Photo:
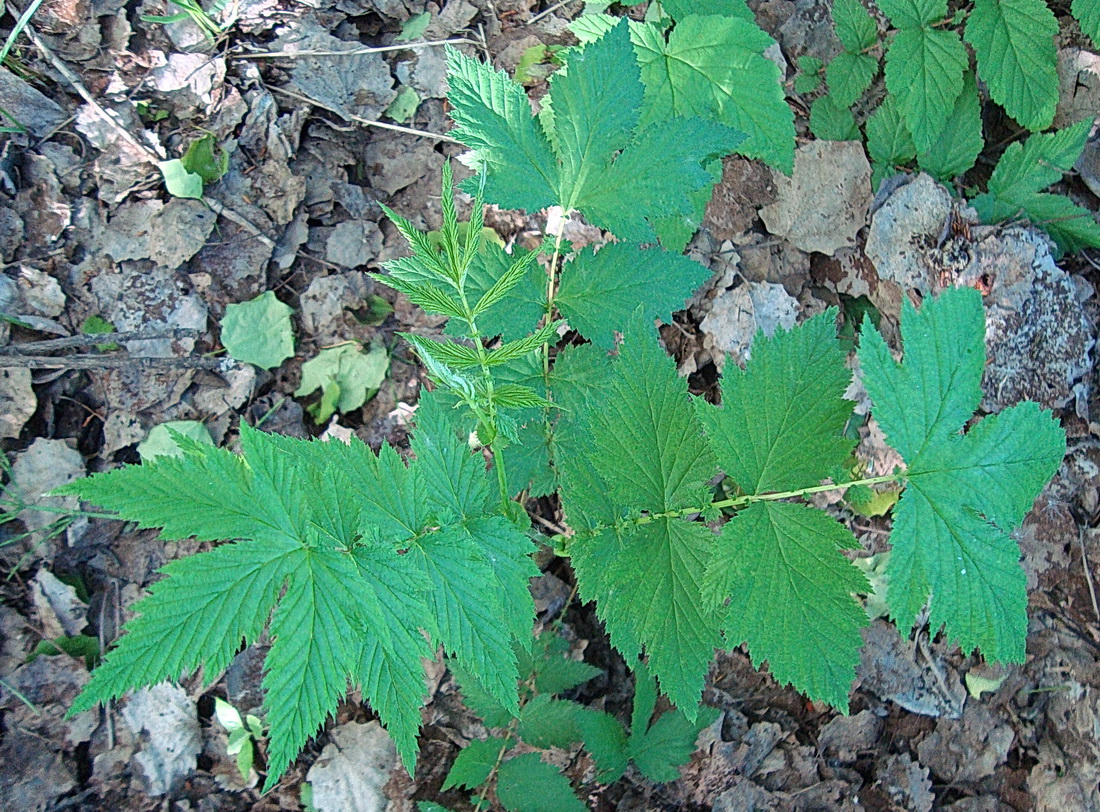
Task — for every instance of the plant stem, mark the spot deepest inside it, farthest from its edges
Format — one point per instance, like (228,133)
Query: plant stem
(551,277)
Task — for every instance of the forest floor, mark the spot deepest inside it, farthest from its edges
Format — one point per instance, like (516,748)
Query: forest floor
(87,230)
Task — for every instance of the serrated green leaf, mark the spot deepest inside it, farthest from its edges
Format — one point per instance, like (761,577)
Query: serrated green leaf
(790,592)
(913,13)
(545,722)
(1087,13)
(451,353)
(333,591)
(605,740)
(590,27)
(596,101)
(809,74)
(924,72)
(493,118)
(258,331)
(514,350)
(519,270)
(849,75)
(855,28)
(782,418)
(1072,227)
(1013,41)
(644,451)
(957,148)
(888,140)
(1027,168)
(453,476)
(520,309)
(714,68)
(528,784)
(424,295)
(601,290)
(668,744)
(474,764)
(830,122)
(966,492)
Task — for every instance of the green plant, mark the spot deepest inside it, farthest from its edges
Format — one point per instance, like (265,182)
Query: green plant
(658,747)
(244,734)
(931,113)
(206,21)
(364,562)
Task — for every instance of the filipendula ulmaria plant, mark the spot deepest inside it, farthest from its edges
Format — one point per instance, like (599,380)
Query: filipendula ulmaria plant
(358,564)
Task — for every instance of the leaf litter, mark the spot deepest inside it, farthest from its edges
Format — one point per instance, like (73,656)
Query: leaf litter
(89,231)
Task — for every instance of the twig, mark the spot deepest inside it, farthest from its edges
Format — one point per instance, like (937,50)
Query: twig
(360,120)
(548,11)
(1088,571)
(53,344)
(106,362)
(408,46)
(228,213)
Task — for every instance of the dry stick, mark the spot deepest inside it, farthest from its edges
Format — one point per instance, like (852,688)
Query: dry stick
(408,46)
(52,344)
(106,362)
(1088,571)
(548,11)
(360,120)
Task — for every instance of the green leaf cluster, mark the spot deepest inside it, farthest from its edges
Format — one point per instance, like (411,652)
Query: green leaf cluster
(524,782)
(932,111)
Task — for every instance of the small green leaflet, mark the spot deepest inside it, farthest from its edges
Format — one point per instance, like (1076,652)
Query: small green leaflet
(474,764)
(680,9)
(644,452)
(966,492)
(599,162)
(161,442)
(809,74)
(924,66)
(957,148)
(178,181)
(855,28)
(206,158)
(888,141)
(1026,169)
(831,122)
(1087,13)
(849,75)
(1014,43)
(258,331)
(528,784)
(601,290)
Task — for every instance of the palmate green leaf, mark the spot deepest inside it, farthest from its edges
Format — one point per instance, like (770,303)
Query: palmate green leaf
(644,451)
(357,555)
(849,75)
(967,492)
(300,541)
(781,420)
(614,199)
(599,162)
(601,290)
(1072,227)
(714,68)
(1014,43)
(855,28)
(1087,13)
(888,140)
(957,148)
(924,66)
(790,595)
